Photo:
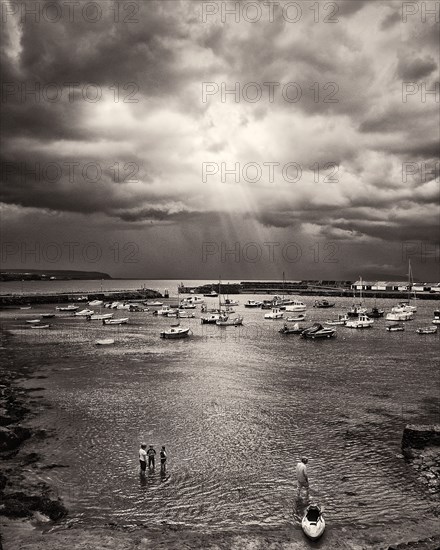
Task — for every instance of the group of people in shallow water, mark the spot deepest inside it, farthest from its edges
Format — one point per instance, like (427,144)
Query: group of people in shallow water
(150,457)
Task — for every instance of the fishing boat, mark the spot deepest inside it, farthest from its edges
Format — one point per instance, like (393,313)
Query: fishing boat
(294,318)
(252,303)
(67,308)
(375,313)
(47,315)
(226,321)
(362,321)
(296,305)
(104,342)
(99,316)
(187,305)
(341,320)
(154,304)
(426,330)
(436,320)
(84,313)
(40,326)
(313,523)
(294,329)
(96,303)
(166,311)
(228,302)
(323,304)
(175,333)
(32,321)
(318,331)
(185,315)
(274,315)
(120,321)
(212,294)
(194,300)
(357,309)
(407,306)
(398,315)
(395,328)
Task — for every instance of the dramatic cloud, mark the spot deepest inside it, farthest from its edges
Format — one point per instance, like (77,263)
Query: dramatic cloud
(132,122)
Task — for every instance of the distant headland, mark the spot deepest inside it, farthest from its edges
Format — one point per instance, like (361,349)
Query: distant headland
(50,275)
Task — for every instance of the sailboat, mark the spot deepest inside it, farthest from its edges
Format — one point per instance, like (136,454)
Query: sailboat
(357,309)
(176,332)
(406,306)
(224,319)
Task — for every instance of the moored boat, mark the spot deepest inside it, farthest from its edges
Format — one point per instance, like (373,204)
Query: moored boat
(40,326)
(341,320)
(399,315)
(84,313)
(375,313)
(33,321)
(313,523)
(47,315)
(294,318)
(436,320)
(323,304)
(252,303)
(175,333)
(395,328)
(294,329)
(104,342)
(120,321)
(96,303)
(426,330)
(274,315)
(99,316)
(362,321)
(296,305)
(226,321)
(318,331)
(67,308)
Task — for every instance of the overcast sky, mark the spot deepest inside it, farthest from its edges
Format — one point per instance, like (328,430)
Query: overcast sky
(129,133)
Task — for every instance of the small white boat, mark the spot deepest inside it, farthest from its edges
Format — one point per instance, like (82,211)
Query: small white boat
(426,330)
(67,308)
(341,320)
(175,333)
(296,305)
(252,303)
(363,321)
(26,307)
(194,300)
(185,315)
(96,303)
(40,326)
(105,342)
(226,321)
(99,316)
(323,304)
(33,321)
(295,329)
(121,321)
(210,319)
(436,320)
(123,306)
(84,313)
(405,306)
(154,304)
(47,315)
(275,314)
(356,310)
(313,523)
(187,305)
(300,317)
(166,311)
(212,294)
(395,328)
(399,315)
(229,302)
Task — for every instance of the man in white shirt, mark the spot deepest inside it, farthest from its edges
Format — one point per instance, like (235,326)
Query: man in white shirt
(301,476)
(143,458)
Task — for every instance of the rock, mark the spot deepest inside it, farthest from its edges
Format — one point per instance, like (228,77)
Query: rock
(30,458)
(22,505)
(420,436)
(11,438)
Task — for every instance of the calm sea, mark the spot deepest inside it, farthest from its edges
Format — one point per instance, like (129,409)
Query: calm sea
(236,408)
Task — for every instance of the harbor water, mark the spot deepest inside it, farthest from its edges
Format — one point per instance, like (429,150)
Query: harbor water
(236,408)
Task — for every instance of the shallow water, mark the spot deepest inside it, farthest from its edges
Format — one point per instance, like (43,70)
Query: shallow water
(236,408)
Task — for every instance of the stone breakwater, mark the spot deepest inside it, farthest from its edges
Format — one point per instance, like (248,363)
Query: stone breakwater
(421,446)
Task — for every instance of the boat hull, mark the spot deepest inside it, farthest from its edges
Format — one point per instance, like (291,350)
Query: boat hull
(174,334)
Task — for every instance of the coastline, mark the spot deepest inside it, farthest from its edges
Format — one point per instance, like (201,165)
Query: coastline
(34,515)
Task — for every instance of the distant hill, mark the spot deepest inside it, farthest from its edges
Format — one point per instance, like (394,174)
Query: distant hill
(48,274)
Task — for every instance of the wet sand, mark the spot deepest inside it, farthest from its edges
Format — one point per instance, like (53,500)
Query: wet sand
(37,531)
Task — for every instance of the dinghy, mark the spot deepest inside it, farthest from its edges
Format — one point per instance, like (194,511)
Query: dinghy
(40,326)
(120,321)
(295,329)
(299,317)
(313,523)
(105,342)
(47,315)
(426,330)
(32,321)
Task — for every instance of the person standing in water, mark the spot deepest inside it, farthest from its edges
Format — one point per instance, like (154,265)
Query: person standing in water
(151,454)
(302,477)
(163,461)
(143,458)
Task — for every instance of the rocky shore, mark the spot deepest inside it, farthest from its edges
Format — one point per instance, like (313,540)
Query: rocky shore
(21,495)
(421,447)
